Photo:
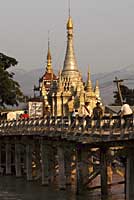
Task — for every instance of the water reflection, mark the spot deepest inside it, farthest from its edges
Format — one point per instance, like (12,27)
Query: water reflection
(18,189)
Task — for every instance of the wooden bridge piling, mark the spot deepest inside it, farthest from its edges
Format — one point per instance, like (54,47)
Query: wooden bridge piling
(68,162)
(18,170)
(44,163)
(52,160)
(1,169)
(29,161)
(103,169)
(8,157)
(85,166)
(130,174)
(61,164)
(79,178)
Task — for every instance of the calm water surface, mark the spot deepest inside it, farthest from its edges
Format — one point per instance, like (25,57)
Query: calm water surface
(18,189)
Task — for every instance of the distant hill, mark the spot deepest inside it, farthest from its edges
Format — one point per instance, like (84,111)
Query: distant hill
(27,80)
(107,86)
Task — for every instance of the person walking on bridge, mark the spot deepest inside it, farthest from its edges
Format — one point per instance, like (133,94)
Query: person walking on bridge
(97,114)
(127,113)
(97,111)
(86,112)
(25,115)
(86,109)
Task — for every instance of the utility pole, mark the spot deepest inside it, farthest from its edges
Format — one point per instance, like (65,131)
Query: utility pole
(118,84)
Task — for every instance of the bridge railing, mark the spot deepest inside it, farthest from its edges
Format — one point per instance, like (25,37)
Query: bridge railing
(107,124)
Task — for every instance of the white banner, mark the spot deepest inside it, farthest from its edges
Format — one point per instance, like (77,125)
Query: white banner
(35,109)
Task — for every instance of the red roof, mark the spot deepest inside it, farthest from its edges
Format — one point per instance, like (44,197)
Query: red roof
(49,76)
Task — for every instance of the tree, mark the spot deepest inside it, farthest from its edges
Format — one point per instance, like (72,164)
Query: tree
(127,95)
(10,93)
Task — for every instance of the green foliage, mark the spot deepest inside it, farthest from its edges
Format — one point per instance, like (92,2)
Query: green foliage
(6,62)
(127,95)
(10,93)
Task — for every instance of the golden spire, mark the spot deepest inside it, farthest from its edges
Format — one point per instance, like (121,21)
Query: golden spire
(49,59)
(70,64)
(59,82)
(97,89)
(69,22)
(89,83)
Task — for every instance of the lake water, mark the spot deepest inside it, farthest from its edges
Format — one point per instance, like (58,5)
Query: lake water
(12,188)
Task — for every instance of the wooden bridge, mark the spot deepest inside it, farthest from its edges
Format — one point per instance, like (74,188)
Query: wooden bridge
(69,151)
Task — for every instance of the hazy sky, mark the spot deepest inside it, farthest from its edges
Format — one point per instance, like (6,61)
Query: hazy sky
(103,32)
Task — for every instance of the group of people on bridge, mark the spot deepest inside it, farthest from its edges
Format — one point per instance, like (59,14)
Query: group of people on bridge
(97,113)
(86,111)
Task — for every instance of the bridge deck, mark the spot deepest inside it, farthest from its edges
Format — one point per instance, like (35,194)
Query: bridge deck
(108,130)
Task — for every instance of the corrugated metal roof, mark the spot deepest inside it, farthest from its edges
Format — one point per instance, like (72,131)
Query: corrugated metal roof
(115,109)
